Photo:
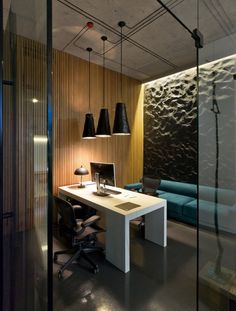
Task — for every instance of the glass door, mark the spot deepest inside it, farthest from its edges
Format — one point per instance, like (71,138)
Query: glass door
(25,148)
(217,161)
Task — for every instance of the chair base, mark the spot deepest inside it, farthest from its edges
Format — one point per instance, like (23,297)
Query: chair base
(77,254)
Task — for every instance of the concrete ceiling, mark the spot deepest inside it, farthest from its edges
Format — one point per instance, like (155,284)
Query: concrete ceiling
(157,45)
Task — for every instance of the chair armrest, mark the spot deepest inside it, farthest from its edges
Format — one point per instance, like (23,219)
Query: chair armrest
(90,221)
(77,207)
(134,186)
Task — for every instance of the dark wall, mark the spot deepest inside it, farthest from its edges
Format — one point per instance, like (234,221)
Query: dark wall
(170,127)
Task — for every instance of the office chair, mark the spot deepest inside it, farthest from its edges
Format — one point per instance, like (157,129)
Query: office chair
(149,187)
(79,233)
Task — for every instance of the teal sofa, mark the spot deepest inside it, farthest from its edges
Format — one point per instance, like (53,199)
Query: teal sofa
(182,203)
(178,195)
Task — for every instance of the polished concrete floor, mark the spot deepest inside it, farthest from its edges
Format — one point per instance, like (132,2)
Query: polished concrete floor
(160,279)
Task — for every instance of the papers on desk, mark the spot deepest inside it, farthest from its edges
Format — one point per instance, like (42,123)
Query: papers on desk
(127,206)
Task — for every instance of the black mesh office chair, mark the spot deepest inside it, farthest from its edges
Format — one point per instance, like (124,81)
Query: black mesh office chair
(79,234)
(149,187)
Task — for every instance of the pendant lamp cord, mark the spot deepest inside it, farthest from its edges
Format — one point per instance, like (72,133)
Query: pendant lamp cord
(89,80)
(103,73)
(121,57)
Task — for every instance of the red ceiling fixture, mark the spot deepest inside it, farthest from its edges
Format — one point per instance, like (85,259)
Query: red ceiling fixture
(89,25)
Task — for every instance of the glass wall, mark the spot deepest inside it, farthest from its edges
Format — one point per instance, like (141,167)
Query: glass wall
(217,166)
(25,164)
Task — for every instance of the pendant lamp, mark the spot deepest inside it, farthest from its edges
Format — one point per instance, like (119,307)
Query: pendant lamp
(89,129)
(121,124)
(103,129)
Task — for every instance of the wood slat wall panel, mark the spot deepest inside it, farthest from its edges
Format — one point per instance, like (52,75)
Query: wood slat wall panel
(31,118)
(70,100)
(23,120)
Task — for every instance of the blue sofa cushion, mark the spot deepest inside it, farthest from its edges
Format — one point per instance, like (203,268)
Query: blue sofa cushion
(134,186)
(206,210)
(225,196)
(185,189)
(190,209)
(158,192)
(138,187)
(175,201)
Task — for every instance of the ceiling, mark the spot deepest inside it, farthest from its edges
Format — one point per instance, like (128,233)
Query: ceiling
(157,44)
(154,43)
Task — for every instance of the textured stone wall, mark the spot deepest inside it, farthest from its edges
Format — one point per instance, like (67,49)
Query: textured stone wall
(171,123)
(170,127)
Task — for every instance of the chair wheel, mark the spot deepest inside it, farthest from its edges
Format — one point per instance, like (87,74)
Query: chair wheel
(59,274)
(95,270)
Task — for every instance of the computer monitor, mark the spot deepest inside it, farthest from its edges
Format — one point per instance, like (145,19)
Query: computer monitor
(106,172)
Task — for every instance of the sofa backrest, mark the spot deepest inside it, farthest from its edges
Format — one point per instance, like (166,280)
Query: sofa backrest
(179,188)
(225,196)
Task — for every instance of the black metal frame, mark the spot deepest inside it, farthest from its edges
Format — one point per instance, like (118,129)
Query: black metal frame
(195,34)
(49,155)
(197,121)
(1,153)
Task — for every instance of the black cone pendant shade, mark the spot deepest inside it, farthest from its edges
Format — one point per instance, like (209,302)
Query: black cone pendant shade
(121,124)
(103,129)
(89,129)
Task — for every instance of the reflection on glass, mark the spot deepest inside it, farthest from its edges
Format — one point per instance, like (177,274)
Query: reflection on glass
(25,156)
(217,184)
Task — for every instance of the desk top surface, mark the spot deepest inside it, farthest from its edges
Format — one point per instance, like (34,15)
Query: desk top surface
(109,203)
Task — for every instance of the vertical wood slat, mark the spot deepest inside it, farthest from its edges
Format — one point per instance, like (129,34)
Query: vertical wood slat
(70,103)
(19,157)
(70,100)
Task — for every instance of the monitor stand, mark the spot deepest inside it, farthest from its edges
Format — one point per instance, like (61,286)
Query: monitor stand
(99,192)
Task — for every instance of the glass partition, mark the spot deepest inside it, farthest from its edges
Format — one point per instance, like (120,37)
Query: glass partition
(217,165)
(160,48)
(25,164)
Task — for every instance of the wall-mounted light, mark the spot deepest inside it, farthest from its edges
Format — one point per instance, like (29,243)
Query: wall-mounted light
(44,248)
(35,100)
(40,139)
(121,124)
(89,129)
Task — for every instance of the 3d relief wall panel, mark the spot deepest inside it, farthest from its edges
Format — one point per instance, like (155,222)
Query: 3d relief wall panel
(170,127)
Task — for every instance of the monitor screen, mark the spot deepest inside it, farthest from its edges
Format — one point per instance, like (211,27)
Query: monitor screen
(106,172)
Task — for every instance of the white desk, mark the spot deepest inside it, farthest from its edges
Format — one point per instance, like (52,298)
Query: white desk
(117,220)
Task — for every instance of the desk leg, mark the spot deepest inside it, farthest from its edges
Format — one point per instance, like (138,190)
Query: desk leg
(117,241)
(156,226)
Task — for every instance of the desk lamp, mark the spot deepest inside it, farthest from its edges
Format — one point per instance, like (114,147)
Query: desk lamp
(81,171)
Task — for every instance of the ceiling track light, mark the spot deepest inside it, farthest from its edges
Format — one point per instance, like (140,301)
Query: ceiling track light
(89,129)
(103,128)
(121,124)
